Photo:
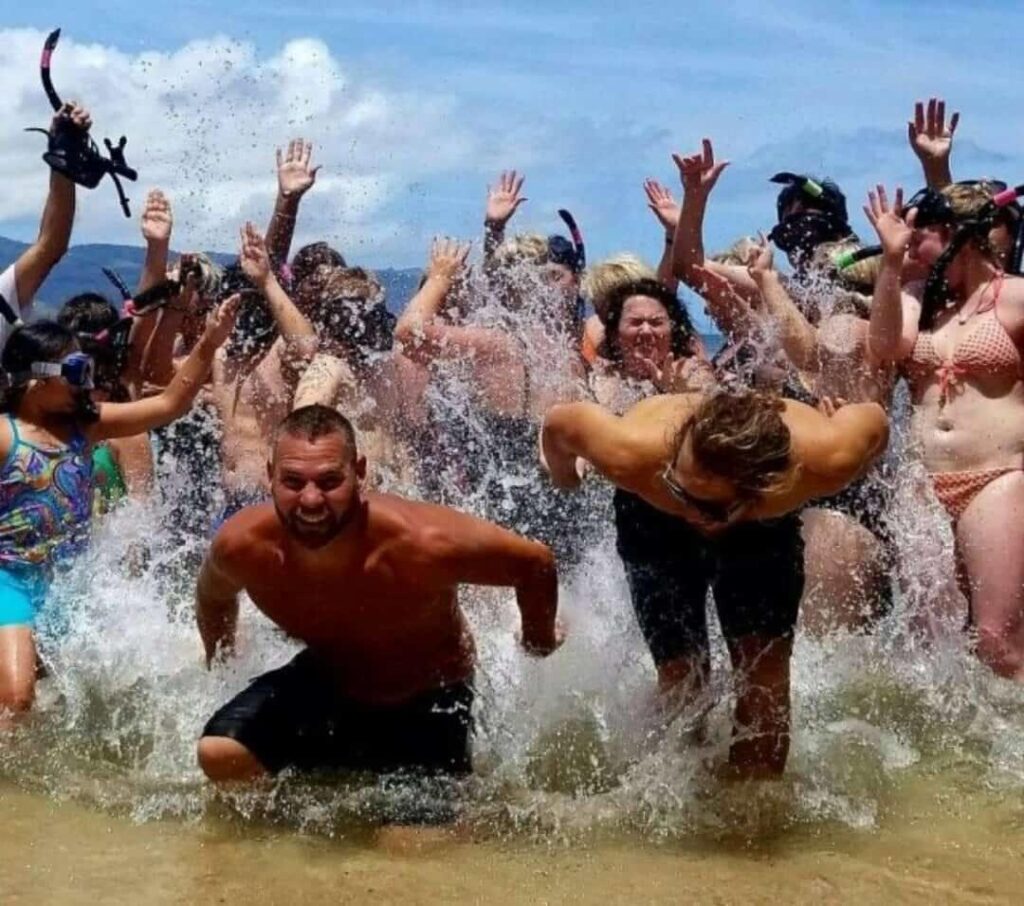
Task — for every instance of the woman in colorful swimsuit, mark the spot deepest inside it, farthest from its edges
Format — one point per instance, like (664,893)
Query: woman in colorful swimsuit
(958,338)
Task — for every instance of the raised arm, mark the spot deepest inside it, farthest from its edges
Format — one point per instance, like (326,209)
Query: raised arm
(295,329)
(798,338)
(35,263)
(699,173)
(295,177)
(892,327)
(727,307)
(931,140)
(503,200)
(217,602)
(158,361)
(324,382)
(666,210)
(474,552)
(422,336)
(157,223)
(125,419)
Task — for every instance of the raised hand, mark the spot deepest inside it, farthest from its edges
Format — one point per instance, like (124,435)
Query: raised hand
(157,218)
(893,230)
(700,172)
(253,256)
(930,138)
(447,259)
(761,261)
(662,204)
(504,199)
(294,174)
(221,321)
(78,115)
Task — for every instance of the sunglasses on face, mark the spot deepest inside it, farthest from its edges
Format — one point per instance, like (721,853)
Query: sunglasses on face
(711,510)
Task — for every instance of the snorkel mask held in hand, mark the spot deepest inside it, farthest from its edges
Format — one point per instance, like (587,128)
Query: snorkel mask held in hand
(934,209)
(823,220)
(71,152)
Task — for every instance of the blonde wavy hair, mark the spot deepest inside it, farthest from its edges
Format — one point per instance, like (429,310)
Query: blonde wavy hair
(602,279)
(523,248)
(741,436)
(967,200)
(740,252)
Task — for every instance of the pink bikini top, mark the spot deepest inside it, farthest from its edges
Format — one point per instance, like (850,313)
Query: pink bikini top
(987,349)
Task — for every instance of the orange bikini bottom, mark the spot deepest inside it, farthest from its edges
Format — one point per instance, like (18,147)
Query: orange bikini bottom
(956,490)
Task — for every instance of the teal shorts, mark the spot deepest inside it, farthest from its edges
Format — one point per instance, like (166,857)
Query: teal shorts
(22,594)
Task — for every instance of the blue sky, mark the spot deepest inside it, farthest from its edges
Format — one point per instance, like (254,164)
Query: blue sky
(587,97)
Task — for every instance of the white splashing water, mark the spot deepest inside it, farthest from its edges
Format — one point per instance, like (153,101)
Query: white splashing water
(564,747)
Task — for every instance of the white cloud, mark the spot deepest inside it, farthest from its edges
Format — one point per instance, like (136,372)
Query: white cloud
(202,124)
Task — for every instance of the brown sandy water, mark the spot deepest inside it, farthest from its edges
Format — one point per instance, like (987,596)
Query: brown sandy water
(934,845)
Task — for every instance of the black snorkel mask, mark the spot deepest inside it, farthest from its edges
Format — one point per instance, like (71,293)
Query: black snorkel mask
(361,326)
(933,209)
(824,220)
(71,152)
(572,255)
(111,346)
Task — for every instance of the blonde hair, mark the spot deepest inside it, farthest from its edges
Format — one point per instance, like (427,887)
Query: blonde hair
(966,201)
(523,248)
(602,279)
(739,252)
(741,436)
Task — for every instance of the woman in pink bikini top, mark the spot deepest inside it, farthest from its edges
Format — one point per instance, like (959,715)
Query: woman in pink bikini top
(958,339)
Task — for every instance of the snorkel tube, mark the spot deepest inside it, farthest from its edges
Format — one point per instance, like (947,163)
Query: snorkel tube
(848,259)
(577,240)
(71,152)
(936,288)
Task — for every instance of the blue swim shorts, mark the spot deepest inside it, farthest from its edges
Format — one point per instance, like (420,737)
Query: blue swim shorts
(22,593)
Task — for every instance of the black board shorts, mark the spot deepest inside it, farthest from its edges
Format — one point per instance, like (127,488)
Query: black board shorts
(754,569)
(291,717)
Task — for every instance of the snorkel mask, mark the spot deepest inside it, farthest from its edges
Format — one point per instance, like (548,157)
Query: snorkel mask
(71,152)
(936,210)
(78,369)
(824,220)
(572,255)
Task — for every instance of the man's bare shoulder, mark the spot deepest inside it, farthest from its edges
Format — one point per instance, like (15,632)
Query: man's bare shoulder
(417,528)
(669,407)
(247,537)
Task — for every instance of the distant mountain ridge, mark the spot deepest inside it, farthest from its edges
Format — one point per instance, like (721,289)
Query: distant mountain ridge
(80,271)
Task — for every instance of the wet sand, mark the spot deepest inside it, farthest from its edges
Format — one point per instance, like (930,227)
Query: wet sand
(933,847)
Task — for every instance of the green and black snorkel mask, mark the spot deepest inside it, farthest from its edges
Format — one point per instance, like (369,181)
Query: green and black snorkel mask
(824,218)
(933,209)
(71,152)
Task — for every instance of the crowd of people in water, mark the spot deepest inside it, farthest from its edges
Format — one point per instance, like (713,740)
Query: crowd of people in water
(329,477)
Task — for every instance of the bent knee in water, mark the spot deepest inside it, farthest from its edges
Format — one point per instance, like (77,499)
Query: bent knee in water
(223,759)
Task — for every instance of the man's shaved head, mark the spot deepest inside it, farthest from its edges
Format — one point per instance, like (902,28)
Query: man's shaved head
(312,422)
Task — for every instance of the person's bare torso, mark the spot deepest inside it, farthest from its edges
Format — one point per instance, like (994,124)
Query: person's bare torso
(251,405)
(378,611)
(845,372)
